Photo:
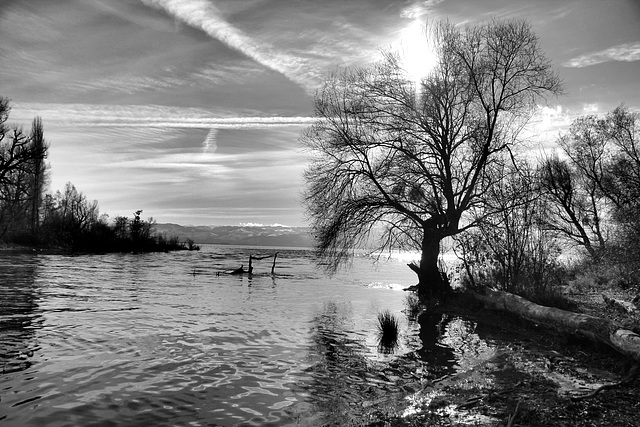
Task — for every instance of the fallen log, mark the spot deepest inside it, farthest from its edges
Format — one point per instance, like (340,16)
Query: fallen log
(602,330)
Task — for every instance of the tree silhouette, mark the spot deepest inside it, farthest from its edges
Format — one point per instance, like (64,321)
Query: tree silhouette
(39,172)
(22,174)
(594,190)
(414,161)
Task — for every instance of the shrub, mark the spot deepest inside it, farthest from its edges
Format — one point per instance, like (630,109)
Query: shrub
(192,246)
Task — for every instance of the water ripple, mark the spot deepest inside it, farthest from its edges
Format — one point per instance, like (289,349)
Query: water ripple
(125,339)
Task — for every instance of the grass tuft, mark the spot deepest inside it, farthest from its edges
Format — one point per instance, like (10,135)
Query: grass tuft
(388,329)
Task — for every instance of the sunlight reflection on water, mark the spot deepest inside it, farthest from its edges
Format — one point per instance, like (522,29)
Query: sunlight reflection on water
(162,339)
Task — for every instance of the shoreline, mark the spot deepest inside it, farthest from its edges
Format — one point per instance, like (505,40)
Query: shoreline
(13,247)
(506,368)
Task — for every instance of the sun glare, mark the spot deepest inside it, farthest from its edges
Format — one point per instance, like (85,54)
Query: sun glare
(417,53)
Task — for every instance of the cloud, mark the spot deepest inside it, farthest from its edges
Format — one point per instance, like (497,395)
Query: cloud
(146,116)
(627,52)
(258,224)
(591,108)
(419,9)
(552,120)
(205,16)
(549,122)
(41,27)
(210,144)
(224,74)
(127,84)
(164,171)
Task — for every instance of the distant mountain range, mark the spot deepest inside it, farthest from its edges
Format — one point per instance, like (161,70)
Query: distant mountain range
(240,235)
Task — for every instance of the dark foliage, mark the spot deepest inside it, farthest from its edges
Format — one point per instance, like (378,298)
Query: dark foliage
(67,220)
(23,173)
(388,332)
(413,306)
(96,235)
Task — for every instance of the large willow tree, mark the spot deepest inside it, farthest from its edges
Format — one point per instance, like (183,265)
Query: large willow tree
(413,162)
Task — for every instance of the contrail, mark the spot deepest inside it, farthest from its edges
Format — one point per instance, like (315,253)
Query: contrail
(210,144)
(205,16)
(145,116)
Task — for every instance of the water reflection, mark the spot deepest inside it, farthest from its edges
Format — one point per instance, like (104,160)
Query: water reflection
(468,346)
(452,349)
(266,281)
(332,347)
(19,311)
(139,339)
(347,386)
(388,333)
(440,357)
(452,344)
(338,366)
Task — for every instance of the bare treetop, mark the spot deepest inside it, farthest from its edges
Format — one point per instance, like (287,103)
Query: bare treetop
(416,159)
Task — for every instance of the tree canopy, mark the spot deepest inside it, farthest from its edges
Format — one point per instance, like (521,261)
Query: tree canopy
(414,159)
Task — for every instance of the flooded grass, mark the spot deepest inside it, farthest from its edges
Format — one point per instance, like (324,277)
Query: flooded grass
(388,332)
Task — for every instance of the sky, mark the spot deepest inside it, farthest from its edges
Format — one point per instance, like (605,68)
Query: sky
(192,110)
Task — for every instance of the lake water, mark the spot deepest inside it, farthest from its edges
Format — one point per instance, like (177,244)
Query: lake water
(165,339)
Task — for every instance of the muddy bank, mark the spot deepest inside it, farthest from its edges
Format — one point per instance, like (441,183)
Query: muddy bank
(483,368)
(535,373)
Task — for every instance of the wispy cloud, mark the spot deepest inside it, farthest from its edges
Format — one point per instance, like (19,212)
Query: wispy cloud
(217,73)
(203,15)
(627,52)
(210,144)
(126,84)
(42,28)
(419,9)
(549,122)
(146,116)
(163,170)
(219,123)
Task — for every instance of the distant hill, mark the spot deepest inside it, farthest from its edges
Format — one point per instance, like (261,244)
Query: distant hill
(240,235)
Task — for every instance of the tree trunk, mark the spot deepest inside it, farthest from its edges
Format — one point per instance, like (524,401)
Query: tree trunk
(431,283)
(602,330)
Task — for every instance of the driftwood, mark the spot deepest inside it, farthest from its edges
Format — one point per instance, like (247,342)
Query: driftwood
(602,330)
(241,270)
(273,266)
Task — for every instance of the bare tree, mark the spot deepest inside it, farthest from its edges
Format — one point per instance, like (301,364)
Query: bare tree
(621,185)
(417,160)
(596,187)
(17,150)
(68,215)
(512,249)
(576,206)
(20,154)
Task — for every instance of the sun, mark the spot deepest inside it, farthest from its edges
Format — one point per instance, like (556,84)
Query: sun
(416,51)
